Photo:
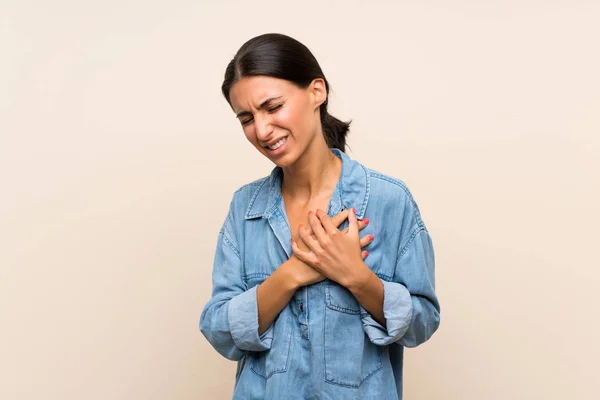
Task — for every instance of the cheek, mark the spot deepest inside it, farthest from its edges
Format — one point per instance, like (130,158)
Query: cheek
(292,118)
(249,133)
(284,117)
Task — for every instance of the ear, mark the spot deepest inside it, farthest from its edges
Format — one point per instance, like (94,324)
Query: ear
(318,91)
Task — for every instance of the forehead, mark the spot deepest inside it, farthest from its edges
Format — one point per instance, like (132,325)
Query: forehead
(249,92)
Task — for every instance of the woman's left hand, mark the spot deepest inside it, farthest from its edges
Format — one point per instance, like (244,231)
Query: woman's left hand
(333,253)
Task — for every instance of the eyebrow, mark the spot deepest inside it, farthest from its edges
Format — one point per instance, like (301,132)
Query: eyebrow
(263,104)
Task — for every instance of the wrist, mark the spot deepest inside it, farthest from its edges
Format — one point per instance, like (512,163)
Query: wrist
(358,282)
(290,277)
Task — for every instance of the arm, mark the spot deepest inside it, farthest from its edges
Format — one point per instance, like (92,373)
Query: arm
(407,308)
(369,291)
(229,320)
(410,305)
(277,291)
(236,320)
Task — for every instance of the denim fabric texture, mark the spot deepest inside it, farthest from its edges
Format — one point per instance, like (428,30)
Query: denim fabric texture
(324,344)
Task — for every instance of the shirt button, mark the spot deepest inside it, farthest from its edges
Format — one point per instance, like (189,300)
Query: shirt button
(301,306)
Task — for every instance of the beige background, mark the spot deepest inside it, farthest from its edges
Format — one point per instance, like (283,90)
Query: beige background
(118,158)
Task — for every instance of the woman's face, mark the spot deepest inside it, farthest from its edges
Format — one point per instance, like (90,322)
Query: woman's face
(280,119)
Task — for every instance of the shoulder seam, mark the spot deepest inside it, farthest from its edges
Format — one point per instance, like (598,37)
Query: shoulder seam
(226,239)
(393,181)
(401,184)
(230,244)
(418,229)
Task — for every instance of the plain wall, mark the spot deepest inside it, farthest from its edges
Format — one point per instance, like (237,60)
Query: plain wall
(119,156)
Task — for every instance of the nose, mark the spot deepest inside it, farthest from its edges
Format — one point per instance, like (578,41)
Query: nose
(263,127)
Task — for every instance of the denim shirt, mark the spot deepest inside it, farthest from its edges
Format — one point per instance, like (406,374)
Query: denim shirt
(323,344)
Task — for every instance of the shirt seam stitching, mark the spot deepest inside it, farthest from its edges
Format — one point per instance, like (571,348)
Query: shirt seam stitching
(414,233)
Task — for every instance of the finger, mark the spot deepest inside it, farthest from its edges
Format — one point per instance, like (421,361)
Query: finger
(304,256)
(352,222)
(364,254)
(327,223)
(362,223)
(339,218)
(317,227)
(343,215)
(301,244)
(368,239)
(308,239)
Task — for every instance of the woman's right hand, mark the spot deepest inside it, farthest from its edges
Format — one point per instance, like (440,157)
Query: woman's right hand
(303,274)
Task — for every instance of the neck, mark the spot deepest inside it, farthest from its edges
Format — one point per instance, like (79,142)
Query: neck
(315,173)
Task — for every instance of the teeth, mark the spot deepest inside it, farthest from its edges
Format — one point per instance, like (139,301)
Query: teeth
(278,144)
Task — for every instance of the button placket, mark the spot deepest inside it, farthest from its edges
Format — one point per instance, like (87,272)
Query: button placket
(301,303)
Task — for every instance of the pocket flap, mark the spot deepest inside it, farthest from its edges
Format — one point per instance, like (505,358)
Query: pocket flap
(340,299)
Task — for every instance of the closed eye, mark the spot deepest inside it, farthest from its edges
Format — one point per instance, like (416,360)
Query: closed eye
(270,110)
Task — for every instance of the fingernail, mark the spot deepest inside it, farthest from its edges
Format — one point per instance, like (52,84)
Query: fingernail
(366,221)
(353,210)
(310,212)
(366,253)
(372,237)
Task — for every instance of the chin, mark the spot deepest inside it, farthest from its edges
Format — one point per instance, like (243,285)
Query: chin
(288,158)
(284,161)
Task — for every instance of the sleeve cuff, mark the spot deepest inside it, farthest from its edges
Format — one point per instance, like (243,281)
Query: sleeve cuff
(397,310)
(243,323)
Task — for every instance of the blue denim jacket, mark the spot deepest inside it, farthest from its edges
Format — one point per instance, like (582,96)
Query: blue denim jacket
(323,344)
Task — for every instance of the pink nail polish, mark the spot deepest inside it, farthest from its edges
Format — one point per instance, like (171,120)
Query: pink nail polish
(366,221)
(372,237)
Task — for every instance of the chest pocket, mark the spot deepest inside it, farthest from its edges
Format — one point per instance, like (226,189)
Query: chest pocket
(262,250)
(350,357)
(275,360)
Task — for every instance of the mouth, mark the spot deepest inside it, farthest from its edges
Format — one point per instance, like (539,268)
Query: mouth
(277,144)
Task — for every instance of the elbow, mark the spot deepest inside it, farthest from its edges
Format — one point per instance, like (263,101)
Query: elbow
(230,352)
(422,330)
(220,339)
(222,343)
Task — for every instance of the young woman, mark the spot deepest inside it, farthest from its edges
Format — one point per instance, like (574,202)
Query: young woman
(306,312)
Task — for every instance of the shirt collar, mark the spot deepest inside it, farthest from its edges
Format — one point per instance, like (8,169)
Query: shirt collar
(352,190)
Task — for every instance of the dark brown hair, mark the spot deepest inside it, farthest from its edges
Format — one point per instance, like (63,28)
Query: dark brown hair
(283,57)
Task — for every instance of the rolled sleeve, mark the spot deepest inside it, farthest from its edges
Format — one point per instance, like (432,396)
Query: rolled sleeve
(229,320)
(397,310)
(410,307)
(243,323)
